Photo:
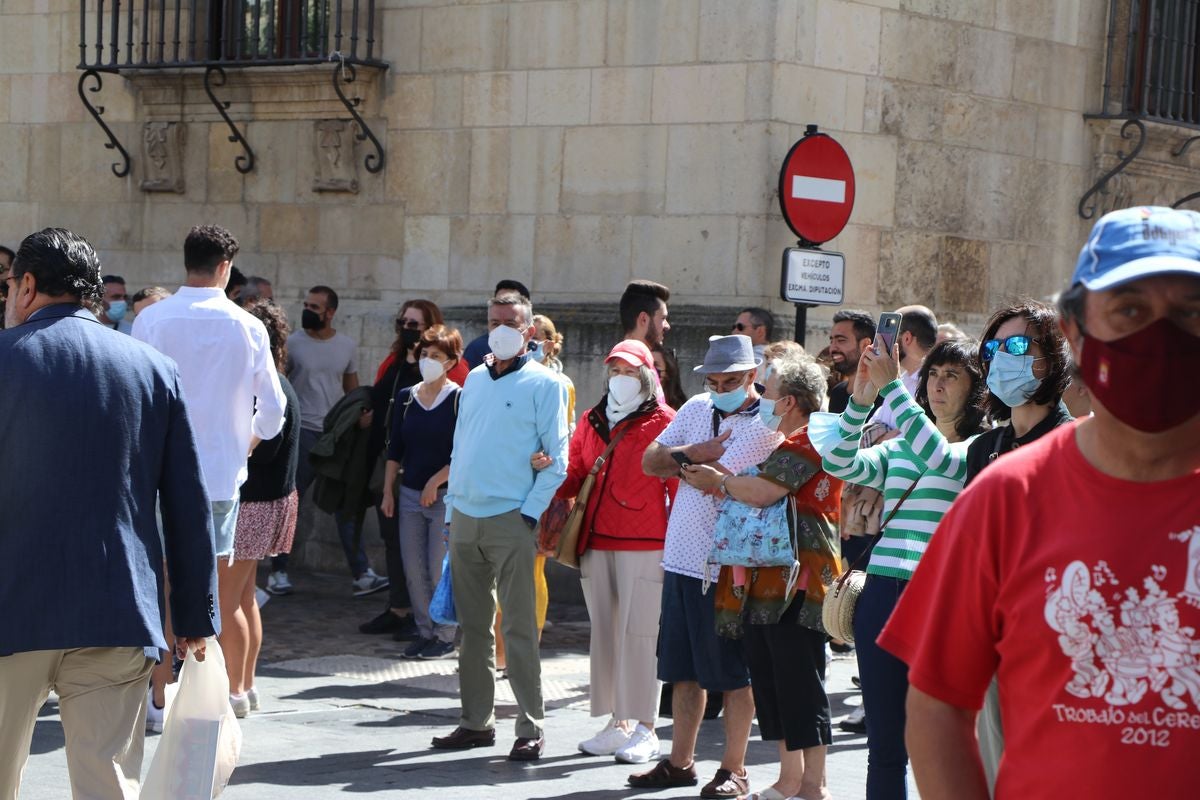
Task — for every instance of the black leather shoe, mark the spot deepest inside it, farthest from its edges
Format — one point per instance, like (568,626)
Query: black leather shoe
(407,631)
(527,749)
(465,739)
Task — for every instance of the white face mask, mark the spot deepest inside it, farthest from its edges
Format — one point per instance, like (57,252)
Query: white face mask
(431,369)
(624,389)
(506,342)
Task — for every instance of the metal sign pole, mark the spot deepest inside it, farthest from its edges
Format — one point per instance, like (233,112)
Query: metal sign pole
(802,308)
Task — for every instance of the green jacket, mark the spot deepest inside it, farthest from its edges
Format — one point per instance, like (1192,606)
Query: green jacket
(339,457)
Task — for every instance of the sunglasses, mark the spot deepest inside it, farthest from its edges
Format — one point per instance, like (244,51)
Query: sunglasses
(1014,345)
(739,326)
(410,324)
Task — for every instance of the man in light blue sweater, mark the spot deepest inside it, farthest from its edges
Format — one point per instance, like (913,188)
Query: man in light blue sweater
(511,408)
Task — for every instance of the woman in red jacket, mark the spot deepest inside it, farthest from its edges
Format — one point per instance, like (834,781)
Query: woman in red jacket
(620,551)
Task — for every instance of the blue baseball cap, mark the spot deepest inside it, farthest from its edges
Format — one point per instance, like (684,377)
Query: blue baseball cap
(1135,243)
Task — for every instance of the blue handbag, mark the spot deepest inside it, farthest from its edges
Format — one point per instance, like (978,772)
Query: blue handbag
(749,536)
(441,607)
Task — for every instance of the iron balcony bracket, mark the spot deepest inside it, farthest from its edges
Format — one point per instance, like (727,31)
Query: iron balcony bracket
(345,73)
(1178,152)
(244,163)
(119,168)
(1086,210)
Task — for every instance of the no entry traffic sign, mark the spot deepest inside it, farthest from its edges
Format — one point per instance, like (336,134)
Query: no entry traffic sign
(816,188)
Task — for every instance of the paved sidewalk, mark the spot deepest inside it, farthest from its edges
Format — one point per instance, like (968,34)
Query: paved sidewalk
(342,713)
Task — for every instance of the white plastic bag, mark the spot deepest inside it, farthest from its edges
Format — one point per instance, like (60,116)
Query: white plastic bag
(201,739)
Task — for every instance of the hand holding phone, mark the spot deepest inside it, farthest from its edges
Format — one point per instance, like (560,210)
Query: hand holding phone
(887,330)
(681,458)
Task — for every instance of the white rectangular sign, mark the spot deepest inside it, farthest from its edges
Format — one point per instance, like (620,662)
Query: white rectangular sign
(814,277)
(820,189)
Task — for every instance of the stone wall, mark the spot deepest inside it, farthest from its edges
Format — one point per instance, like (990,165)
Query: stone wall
(575,144)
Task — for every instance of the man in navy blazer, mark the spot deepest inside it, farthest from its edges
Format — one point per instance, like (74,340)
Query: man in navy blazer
(93,427)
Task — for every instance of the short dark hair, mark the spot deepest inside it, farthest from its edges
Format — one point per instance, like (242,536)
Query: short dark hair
(206,246)
(639,296)
(11,255)
(863,323)
(331,298)
(963,354)
(253,288)
(62,263)
(921,323)
(1044,322)
(761,317)
(1072,305)
(509,285)
(112,279)
(147,293)
(439,337)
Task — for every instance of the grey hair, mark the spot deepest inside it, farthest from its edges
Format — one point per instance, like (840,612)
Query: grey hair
(646,378)
(802,377)
(514,299)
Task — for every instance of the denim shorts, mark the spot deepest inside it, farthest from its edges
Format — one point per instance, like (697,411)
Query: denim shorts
(224,524)
(689,648)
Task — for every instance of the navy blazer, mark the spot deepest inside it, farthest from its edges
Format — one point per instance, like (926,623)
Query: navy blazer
(93,427)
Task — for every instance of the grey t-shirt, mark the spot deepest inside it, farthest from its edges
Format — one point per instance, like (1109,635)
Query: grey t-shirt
(315,370)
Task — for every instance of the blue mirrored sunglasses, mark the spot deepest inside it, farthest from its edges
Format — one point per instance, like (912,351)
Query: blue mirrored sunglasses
(1014,345)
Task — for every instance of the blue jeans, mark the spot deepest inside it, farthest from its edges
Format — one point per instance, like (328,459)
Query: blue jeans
(884,688)
(423,547)
(356,557)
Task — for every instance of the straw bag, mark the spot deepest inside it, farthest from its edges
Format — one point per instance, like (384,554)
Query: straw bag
(568,542)
(837,610)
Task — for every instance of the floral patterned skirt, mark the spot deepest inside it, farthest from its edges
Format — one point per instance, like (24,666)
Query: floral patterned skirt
(266,529)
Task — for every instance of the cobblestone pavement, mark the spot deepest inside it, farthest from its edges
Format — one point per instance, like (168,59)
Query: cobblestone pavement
(343,713)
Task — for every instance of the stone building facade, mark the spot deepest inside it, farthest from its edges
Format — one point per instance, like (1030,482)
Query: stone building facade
(575,144)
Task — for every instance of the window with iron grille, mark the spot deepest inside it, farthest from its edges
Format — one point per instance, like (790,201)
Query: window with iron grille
(1153,55)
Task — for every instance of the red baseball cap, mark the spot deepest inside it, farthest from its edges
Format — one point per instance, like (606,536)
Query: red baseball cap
(633,352)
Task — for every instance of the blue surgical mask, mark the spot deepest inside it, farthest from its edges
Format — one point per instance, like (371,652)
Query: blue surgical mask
(1010,378)
(729,402)
(116,310)
(766,413)
(537,350)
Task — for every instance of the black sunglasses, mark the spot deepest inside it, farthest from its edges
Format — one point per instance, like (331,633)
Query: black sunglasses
(1014,345)
(410,324)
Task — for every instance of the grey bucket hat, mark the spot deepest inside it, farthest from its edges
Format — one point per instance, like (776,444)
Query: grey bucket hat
(732,353)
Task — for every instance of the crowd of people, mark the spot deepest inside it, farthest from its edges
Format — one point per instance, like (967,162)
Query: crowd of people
(985,633)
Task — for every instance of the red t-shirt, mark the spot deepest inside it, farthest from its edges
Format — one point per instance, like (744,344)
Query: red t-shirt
(1082,591)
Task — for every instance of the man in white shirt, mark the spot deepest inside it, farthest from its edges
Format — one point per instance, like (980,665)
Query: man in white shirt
(232,394)
(721,428)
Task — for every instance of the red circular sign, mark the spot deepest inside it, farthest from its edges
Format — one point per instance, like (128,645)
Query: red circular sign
(816,188)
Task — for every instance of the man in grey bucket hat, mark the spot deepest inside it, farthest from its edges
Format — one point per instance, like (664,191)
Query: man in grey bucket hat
(720,428)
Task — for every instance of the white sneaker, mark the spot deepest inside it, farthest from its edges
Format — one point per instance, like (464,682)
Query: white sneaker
(241,704)
(252,696)
(641,747)
(278,583)
(369,583)
(260,597)
(609,740)
(154,716)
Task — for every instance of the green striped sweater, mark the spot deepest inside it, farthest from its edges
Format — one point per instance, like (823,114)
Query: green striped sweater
(920,451)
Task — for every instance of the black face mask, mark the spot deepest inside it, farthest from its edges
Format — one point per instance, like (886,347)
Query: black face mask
(311,320)
(409,337)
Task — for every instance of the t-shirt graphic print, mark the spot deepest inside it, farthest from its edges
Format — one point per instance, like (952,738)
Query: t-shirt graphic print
(1081,593)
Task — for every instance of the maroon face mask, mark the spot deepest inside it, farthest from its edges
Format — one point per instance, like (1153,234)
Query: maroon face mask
(1136,377)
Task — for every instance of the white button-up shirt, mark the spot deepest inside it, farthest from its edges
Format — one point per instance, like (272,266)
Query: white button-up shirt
(229,381)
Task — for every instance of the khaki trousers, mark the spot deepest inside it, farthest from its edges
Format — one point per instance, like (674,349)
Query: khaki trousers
(493,557)
(102,700)
(623,592)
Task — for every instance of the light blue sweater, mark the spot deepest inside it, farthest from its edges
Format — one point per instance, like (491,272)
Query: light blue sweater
(501,423)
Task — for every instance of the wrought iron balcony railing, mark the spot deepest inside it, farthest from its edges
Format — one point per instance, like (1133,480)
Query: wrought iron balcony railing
(165,34)
(213,35)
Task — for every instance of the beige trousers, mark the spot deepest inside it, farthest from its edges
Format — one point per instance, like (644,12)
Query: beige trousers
(623,592)
(102,700)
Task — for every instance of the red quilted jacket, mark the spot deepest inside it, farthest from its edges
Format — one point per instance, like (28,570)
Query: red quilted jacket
(628,509)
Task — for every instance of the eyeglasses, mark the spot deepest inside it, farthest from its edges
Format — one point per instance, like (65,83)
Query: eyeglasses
(1014,345)
(738,326)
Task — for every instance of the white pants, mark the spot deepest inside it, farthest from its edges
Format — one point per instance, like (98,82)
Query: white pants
(623,591)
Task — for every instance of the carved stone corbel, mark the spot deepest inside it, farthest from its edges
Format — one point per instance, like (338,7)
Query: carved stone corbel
(162,155)
(334,145)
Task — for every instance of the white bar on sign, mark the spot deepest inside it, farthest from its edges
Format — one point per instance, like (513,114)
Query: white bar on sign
(820,189)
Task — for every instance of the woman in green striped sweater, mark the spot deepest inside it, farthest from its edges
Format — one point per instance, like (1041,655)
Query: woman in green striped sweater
(929,457)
